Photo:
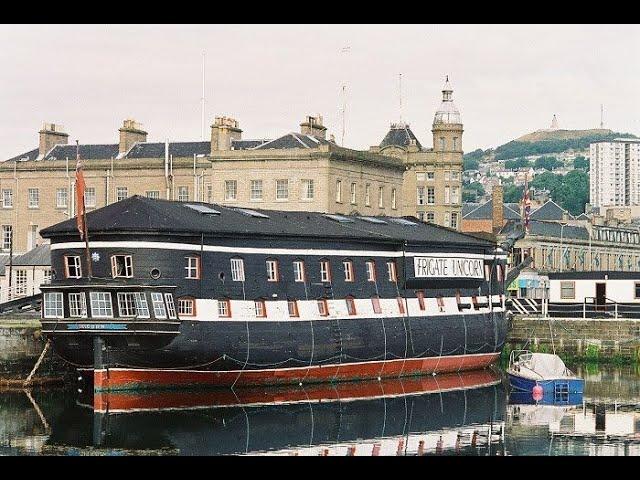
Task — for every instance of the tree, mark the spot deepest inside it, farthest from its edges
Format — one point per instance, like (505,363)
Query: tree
(570,191)
(581,162)
(513,193)
(515,164)
(548,163)
(471,160)
(471,192)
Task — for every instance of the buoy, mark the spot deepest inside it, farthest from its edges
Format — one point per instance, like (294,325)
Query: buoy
(537,392)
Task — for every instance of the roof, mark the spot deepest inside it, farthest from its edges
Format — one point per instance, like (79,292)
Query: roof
(583,216)
(177,149)
(485,212)
(138,214)
(37,256)
(548,229)
(399,135)
(87,152)
(468,208)
(247,144)
(550,211)
(30,155)
(4,261)
(293,140)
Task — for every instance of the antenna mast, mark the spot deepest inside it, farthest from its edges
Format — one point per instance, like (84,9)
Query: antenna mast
(400,94)
(601,115)
(202,99)
(346,49)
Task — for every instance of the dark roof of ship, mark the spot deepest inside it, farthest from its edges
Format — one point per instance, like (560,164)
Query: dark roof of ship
(485,211)
(40,255)
(400,135)
(550,211)
(293,140)
(548,229)
(141,214)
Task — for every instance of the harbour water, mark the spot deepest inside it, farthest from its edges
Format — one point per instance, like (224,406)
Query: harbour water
(466,414)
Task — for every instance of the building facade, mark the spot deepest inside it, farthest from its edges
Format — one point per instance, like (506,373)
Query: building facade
(300,170)
(615,173)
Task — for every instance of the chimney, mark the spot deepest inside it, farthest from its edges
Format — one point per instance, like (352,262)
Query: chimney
(51,135)
(223,131)
(313,126)
(130,133)
(497,214)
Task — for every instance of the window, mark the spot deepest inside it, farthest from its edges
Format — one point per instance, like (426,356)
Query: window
(567,290)
(122,193)
(292,305)
(61,198)
(348,270)
(367,195)
(442,143)
(339,191)
(455,143)
(261,308)
(171,307)
(420,176)
(431,175)
(307,190)
(7,236)
(401,308)
(34,198)
(21,282)
(380,197)
(325,271)
(391,271)
(183,194)
(237,270)
(53,305)
(371,270)
(455,195)
(447,195)
(394,204)
(224,308)
(323,307)
(256,190)
(430,217)
(230,189)
(351,305)
(455,176)
(354,193)
(133,304)
(7,198)
(90,197)
(637,290)
(375,302)
(446,219)
(47,275)
(440,302)
(158,305)
(421,303)
(447,175)
(209,193)
(153,194)
(187,307)
(454,220)
(272,271)
(282,189)
(72,266)
(101,304)
(298,271)
(121,266)
(420,196)
(193,267)
(77,305)
(431,195)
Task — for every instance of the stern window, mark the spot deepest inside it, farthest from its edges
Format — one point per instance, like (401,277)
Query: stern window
(101,306)
(186,307)
(170,305)
(158,305)
(77,305)
(121,266)
(224,308)
(72,266)
(53,305)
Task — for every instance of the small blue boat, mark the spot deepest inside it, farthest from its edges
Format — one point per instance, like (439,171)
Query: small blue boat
(526,370)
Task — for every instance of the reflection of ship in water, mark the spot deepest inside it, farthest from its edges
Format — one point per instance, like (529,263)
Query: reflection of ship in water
(444,414)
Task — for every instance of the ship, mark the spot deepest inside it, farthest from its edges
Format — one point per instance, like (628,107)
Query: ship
(166,294)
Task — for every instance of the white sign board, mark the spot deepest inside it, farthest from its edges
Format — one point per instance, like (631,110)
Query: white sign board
(448,267)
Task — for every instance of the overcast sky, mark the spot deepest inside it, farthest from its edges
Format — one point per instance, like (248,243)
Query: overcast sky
(507,80)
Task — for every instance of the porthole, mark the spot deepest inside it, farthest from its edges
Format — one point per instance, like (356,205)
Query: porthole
(155,273)
(221,276)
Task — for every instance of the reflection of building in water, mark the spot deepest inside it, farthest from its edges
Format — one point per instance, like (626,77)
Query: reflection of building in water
(429,415)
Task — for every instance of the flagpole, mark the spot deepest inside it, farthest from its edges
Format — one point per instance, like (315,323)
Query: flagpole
(84,226)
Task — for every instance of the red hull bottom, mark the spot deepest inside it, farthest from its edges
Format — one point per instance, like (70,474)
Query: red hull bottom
(129,379)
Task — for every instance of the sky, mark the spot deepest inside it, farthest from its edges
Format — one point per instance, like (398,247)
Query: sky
(508,80)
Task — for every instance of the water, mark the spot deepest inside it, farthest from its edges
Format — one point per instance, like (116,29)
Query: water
(466,414)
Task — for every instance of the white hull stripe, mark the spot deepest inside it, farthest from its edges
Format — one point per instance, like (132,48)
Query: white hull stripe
(292,368)
(266,251)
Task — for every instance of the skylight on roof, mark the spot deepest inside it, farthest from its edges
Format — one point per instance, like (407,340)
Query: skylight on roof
(204,209)
(251,213)
(403,221)
(373,220)
(340,218)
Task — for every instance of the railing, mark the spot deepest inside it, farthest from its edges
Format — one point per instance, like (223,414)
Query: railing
(596,301)
(589,307)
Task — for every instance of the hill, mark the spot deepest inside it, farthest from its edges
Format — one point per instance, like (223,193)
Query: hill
(542,135)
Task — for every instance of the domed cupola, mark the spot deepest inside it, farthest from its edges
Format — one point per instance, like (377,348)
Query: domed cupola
(447,113)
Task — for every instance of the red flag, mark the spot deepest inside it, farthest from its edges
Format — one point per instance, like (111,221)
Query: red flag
(80,187)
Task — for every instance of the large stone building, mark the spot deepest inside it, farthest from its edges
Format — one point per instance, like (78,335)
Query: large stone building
(297,171)
(432,183)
